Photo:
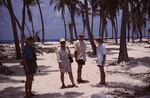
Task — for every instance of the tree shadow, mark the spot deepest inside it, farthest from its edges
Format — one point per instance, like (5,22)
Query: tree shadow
(144,60)
(12,92)
(90,54)
(124,90)
(59,95)
(5,79)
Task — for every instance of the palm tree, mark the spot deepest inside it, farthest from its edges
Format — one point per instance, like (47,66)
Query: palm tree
(71,34)
(23,24)
(28,3)
(71,4)
(123,55)
(112,9)
(82,12)
(8,4)
(103,15)
(41,21)
(88,28)
(94,6)
(61,6)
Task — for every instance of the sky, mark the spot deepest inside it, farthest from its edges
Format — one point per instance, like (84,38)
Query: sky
(54,26)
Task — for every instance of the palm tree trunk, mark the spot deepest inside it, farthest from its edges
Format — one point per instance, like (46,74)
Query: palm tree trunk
(123,55)
(64,26)
(11,12)
(106,32)
(92,22)
(41,21)
(83,19)
(23,24)
(100,25)
(28,29)
(75,31)
(128,23)
(88,28)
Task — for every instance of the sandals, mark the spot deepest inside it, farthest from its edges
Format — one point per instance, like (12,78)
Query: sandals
(63,86)
(74,85)
(82,81)
(32,94)
(101,83)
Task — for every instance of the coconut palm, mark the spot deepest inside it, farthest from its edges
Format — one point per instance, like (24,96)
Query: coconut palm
(103,15)
(88,28)
(123,55)
(41,21)
(28,3)
(112,9)
(71,4)
(82,12)
(8,5)
(60,6)
(94,6)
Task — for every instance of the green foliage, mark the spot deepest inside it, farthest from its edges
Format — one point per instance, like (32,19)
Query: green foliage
(50,51)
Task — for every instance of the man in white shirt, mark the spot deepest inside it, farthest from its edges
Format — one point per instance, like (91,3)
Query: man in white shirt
(101,58)
(80,56)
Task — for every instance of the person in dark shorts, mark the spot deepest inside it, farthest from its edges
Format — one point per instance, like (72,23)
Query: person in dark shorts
(30,65)
(80,56)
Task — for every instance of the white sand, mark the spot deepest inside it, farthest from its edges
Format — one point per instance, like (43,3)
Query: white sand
(123,80)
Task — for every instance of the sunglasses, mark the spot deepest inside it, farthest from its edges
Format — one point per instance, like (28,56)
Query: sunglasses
(62,42)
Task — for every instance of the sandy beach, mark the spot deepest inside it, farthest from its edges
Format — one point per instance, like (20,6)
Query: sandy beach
(124,80)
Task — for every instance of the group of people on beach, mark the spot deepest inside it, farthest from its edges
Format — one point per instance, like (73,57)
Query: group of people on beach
(64,63)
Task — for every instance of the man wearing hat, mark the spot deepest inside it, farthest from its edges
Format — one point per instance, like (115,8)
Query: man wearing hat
(80,56)
(101,58)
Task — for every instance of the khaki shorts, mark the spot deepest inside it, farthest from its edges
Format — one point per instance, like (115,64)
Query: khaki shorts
(66,66)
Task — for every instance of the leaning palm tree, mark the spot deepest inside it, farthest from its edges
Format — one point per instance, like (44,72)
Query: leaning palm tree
(8,5)
(94,7)
(61,6)
(112,9)
(88,28)
(41,21)
(71,4)
(103,14)
(82,12)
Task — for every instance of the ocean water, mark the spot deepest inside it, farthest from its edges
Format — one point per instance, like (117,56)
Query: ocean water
(12,41)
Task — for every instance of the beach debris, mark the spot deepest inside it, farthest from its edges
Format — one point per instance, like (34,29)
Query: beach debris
(3,55)
(5,70)
(98,95)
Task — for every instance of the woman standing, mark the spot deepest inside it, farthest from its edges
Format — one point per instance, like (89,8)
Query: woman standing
(64,63)
(30,65)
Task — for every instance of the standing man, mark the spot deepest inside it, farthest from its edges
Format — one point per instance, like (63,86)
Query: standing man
(80,56)
(101,58)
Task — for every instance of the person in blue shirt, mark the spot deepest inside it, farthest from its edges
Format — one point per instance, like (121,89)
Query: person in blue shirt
(30,65)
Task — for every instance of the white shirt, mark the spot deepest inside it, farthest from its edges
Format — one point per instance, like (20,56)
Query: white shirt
(62,54)
(80,47)
(101,51)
